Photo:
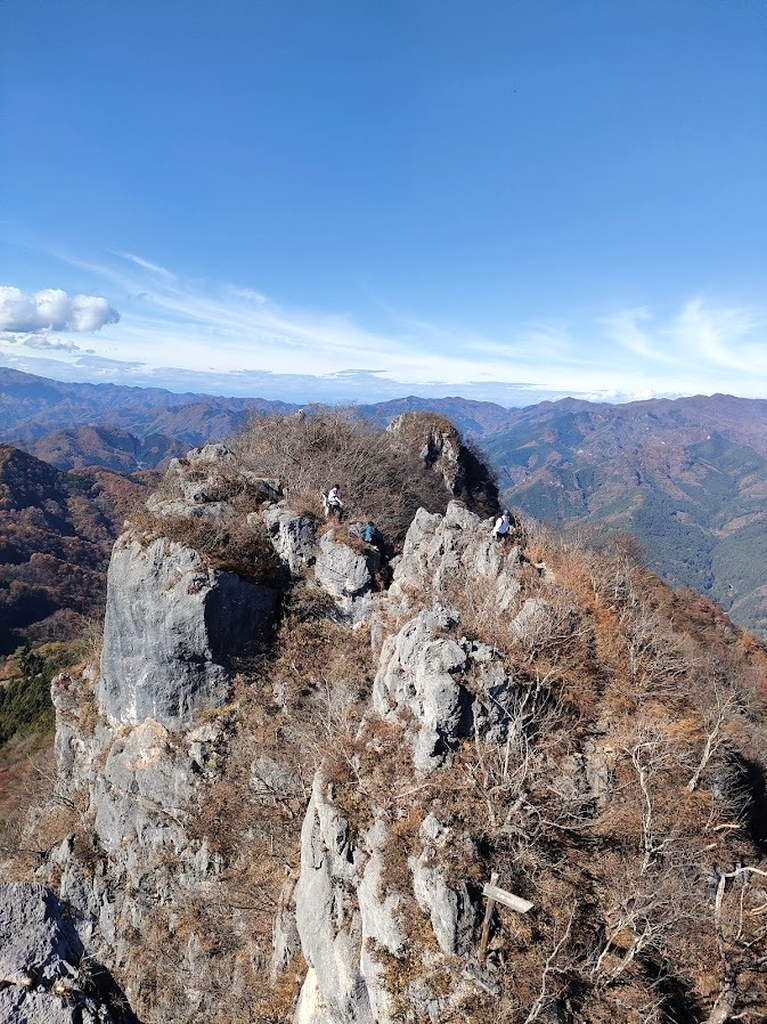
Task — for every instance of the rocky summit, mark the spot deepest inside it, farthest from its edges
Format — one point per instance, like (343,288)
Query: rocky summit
(442,777)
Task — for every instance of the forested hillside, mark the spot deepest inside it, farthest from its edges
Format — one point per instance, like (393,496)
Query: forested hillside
(56,535)
(688,478)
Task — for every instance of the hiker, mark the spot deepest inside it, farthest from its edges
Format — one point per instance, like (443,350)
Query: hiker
(373,536)
(502,528)
(333,504)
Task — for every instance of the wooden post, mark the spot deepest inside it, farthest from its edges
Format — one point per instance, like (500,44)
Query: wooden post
(486,922)
(495,895)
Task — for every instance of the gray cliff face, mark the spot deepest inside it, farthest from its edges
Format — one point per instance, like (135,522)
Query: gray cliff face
(437,548)
(423,670)
(140,788)
(172,626)
(329,928)
(423,674)
(345,985)
(132,750)
(293,537)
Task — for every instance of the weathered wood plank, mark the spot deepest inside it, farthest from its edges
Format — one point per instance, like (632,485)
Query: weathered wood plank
(507,898)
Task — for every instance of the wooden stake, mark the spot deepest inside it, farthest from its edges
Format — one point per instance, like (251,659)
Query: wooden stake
(495,895)
(486,922)
(507,898)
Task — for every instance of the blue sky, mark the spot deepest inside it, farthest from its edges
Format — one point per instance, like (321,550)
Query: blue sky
(363,199)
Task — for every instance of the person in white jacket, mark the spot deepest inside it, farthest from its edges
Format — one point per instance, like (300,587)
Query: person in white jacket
(333,504)
(502,528)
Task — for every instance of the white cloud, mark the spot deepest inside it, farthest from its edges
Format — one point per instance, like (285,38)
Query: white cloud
(239,340)
(153,268)
(43,343)
(623,327)
(716,336)
(52,310)
(699,343)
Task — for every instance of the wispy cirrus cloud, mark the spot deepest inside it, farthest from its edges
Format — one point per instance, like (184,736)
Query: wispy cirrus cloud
(720,337)
(234,339)
(701,338)
(632,329)
(152,268)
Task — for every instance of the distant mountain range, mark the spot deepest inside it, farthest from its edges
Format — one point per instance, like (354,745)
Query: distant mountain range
(127,428)
(687,477)
(31,407)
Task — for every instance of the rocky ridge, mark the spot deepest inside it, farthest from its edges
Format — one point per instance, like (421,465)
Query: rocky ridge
(550,727)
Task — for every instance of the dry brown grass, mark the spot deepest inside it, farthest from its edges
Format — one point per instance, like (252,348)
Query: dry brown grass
(228,543)
(381,479)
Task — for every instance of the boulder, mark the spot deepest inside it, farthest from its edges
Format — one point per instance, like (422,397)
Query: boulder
(171,629)
(422,673)
(347,576)
(43,979)
(292,536)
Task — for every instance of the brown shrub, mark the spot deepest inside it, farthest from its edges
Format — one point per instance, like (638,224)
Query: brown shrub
(381,479)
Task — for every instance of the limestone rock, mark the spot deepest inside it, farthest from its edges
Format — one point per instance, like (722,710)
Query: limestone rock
(424,673)
(344,917)
(328,921)
(171,628)
(380,926)
(293,537)
(458,545)
(533,617)
(42,980)
(441,449)
(347,576)
(203,481)
(286,942)
(421,672)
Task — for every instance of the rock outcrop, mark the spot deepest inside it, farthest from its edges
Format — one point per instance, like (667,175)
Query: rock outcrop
(172,628)
(293,536)
(45,975)
(344,910)
(202,483)
(442,450)
(310,837)
(347,575)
